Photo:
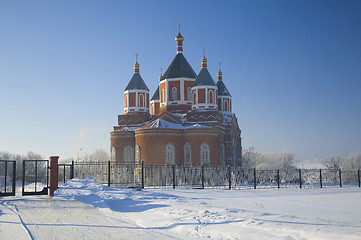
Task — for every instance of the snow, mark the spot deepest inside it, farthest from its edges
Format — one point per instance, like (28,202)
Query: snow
(160,123)
(83,209)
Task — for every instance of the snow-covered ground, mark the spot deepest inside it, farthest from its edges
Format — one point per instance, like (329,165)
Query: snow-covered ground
(82,209)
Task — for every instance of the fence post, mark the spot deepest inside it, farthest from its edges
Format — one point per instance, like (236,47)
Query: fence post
(6,172)
(202,177)
(229,178)
(14,176)
(22,189)
(321,178)
(300,177)
(359,181)
(173,176)
(72,170)
(53,174)
(339,173)
(254,178)
(64,173)
(142,174)
(278,179)
(108,173)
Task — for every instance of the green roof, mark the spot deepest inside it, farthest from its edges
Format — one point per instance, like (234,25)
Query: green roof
(179,68)
(136,83)
(204,79)
(222,90)
(156,95)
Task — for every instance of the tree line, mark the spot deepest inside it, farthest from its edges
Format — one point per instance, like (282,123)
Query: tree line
(286,160)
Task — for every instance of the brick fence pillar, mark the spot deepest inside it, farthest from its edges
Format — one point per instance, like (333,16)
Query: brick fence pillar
(53,174)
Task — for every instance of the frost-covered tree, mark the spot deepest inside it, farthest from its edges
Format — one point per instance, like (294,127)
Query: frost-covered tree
(18,158)
(99,155)
(250,158)
(334,162)
(283,161)
(352,161)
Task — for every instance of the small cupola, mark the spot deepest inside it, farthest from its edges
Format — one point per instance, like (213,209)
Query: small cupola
(224,98)
(136,94)
(179,39)
(204,90)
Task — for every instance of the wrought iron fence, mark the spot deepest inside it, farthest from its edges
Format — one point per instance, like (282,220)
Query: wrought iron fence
(139,175)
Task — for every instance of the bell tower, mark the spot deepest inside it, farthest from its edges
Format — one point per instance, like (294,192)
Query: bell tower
(136,94)
(224,98)
(204,90)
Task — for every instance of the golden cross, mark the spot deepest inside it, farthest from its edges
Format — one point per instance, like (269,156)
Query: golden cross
(179,28)
(161,69)
(136,57)
(204,52)
(219,64)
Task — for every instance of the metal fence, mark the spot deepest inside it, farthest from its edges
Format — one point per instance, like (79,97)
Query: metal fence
(139,175)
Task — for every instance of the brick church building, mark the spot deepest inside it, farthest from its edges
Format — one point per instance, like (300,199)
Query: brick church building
(188,120)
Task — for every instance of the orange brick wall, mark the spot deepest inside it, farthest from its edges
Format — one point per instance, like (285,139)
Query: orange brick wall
(201,95)
(153,145)
(120,140)
(132,101)
(170,86)
(161,89)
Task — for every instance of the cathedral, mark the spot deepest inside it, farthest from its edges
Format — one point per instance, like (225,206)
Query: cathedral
(188,121)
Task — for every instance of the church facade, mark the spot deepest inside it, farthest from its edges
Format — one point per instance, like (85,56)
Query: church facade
(188,120)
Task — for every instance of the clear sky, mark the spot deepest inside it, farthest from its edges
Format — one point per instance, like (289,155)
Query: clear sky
(292,67)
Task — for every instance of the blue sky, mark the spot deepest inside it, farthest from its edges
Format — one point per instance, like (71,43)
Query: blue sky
(292,67)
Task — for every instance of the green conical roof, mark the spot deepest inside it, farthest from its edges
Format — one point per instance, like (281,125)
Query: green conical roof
(204,79)
(155,95)
(222,90)
(179,68)
(136,83)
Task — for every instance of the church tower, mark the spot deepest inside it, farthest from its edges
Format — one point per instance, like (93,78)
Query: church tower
(204,90)
(136,94)
(176,83)
(224,97)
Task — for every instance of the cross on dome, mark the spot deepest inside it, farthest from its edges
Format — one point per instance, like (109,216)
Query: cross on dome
(136,65)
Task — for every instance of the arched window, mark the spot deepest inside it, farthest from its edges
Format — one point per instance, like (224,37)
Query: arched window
(187,154)
(137,154)
(225,105)
(169,154)
(141,100)
(112,154)
(163,96)
(126,101)
(128,154)
(189,94)
(174,94)
(204,153)
(210,96)
(194,97)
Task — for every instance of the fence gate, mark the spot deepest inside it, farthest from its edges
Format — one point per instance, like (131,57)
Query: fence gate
(7,178)
(65,172)
(35,177)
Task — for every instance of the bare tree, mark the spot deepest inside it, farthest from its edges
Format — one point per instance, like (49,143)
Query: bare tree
(352,161)
(334,162)
(287,161)
(99,155)
(250,158)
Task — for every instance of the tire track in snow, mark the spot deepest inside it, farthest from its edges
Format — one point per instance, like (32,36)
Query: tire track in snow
(16,212)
